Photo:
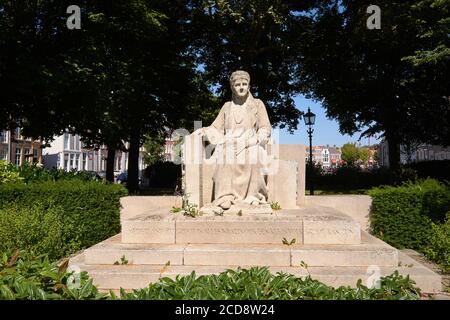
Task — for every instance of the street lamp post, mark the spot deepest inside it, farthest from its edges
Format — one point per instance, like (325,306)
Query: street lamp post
(310,118)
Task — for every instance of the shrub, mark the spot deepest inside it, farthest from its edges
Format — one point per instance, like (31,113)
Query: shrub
(348,178)
(403,216)
(26,277)
(438,249)
(437,169)
(8,174)
(403,174)
(163,174)
(38,229)
(58,217)
(259,284)
(28,173)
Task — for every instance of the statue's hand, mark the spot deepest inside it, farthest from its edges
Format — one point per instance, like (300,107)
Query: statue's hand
(250,142)
(199,132)
(253,141)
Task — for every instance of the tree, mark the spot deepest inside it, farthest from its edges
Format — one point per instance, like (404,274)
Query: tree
(127,69)
(154,150)
(113,63)
(380,80)
(350,153)
(363,155)
(259,36)
(33,67)
(376,156)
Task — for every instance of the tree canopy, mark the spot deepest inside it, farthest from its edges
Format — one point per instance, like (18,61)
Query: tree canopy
(350,153)
(392,81)
(139,67)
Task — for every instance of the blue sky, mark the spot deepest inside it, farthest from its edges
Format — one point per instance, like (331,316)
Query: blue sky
(325,131)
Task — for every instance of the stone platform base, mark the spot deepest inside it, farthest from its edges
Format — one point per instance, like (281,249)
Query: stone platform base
(137,276)
(157,243)
(315,225)
(371,251)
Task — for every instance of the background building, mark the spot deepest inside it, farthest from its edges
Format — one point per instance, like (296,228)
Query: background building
(417,153)
(169,149)
(327,156)
(68,152)
(17,149)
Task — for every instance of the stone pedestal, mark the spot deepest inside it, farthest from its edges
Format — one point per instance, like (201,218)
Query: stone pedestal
(158,244)
(307,225)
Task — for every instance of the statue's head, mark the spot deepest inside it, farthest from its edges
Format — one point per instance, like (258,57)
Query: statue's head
(240,83)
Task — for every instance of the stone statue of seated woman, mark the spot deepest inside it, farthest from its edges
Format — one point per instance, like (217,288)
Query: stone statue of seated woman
(240,134)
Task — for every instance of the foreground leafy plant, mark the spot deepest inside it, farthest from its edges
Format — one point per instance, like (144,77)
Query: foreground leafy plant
(259,284)
(26,277)
(8,173)
(438,249)
(23,276)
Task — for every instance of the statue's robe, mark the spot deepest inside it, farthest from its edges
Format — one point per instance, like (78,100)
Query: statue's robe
(239,171)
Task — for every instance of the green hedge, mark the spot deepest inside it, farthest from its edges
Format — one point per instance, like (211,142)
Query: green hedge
(436,169)
(59,217)
(353,178)
(403,216)
(33,172)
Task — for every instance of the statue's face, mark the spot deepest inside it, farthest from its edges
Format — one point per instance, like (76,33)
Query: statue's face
(240,87)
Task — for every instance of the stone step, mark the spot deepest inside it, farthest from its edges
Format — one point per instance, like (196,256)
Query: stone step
(139,276)
(312,225)
(370,252)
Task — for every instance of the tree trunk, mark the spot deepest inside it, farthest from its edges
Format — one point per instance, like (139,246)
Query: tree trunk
(133,162)
(110,164)
(394,150)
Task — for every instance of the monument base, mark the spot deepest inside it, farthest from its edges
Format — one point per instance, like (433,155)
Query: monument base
(157,244)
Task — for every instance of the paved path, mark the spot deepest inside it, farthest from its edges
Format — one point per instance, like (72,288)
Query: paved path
(445,276)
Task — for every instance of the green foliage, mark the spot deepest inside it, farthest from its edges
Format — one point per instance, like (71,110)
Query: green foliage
(176,209)
(38,228)
(123,261)
(259,284)
(383,83)
(434,30)
(275,205)
(154,149)
(403,174)
(23,276)
(8,174)
(349,178)
(363,155)
(163,174)
(350,153)
(190,210)
(58,217)
(353,155)
(437,169)
(33,172)
(288,243)
(261,37)
(438,248)
(403,216)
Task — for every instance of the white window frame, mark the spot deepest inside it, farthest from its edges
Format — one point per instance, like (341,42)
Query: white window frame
(18,161)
